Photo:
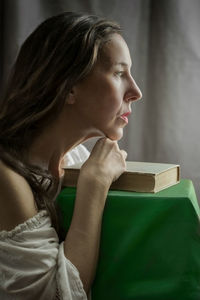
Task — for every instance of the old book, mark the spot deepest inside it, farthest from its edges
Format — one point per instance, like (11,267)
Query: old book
(139,176)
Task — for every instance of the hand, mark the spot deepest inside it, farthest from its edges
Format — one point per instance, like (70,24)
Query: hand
(106,162)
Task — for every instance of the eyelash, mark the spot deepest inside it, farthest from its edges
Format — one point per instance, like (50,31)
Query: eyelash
(120,73)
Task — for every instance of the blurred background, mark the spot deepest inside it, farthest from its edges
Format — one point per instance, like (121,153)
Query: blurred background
(164,42)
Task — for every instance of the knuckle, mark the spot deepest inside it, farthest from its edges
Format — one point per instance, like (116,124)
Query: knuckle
(105,141)
(101,140)
(124,167)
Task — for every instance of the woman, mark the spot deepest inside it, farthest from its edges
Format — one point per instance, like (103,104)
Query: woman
(71,81)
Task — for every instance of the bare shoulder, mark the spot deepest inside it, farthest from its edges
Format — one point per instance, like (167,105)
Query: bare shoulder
(16,199)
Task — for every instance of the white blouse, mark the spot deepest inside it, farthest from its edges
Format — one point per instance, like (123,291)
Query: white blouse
(32,262)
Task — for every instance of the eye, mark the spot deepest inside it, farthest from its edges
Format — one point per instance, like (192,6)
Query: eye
(119,73)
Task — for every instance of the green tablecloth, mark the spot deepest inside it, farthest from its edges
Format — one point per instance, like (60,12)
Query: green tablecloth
(150,244)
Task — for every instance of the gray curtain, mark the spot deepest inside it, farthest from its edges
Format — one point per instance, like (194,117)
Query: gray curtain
(164,41)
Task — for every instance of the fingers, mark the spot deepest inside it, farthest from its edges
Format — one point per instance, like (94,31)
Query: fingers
(107,160)
(124,154)
(109,144)
(105,147)
(102,146)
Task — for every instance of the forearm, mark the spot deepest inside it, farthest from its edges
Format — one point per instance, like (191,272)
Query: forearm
(82,241)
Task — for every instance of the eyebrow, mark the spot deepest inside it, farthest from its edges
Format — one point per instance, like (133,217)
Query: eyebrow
(122,64)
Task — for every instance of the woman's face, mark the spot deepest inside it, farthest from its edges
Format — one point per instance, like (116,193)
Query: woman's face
(103,99)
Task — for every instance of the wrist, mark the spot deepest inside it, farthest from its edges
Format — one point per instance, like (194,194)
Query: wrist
(95,177)
(91,192)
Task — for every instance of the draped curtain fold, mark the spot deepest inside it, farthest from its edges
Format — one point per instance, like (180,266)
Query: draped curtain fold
(164,41)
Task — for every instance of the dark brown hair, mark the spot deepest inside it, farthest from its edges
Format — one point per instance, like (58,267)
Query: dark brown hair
(60,52)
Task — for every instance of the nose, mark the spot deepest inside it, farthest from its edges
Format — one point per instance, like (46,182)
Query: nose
(133,92)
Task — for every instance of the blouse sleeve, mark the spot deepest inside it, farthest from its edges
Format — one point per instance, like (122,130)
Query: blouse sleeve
(33,264)
(76,155)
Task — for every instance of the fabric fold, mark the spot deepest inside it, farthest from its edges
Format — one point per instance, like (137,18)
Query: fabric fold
(33,264)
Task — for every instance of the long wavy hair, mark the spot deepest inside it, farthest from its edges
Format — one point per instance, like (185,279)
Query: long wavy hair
(59,53)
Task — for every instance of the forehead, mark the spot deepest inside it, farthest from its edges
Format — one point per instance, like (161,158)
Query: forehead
(115,52)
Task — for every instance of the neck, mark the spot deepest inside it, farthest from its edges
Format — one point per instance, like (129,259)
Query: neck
(48,149)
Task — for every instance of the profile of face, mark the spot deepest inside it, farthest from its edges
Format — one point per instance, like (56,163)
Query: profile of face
(102,100)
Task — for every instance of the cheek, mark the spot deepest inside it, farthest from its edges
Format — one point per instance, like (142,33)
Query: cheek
(110,97)
(103,97)
(108,106)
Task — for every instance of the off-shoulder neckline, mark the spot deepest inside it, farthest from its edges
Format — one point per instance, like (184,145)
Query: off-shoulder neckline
(30,224)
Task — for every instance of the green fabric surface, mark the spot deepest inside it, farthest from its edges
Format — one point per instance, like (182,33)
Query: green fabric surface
(150,244)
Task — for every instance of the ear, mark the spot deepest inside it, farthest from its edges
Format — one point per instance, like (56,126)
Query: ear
(71,99)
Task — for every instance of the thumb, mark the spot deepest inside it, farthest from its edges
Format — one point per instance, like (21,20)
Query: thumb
(124,154)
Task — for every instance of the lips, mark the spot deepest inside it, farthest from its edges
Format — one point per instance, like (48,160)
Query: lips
(124,116)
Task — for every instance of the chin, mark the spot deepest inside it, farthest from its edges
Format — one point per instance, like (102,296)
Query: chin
(115,136)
